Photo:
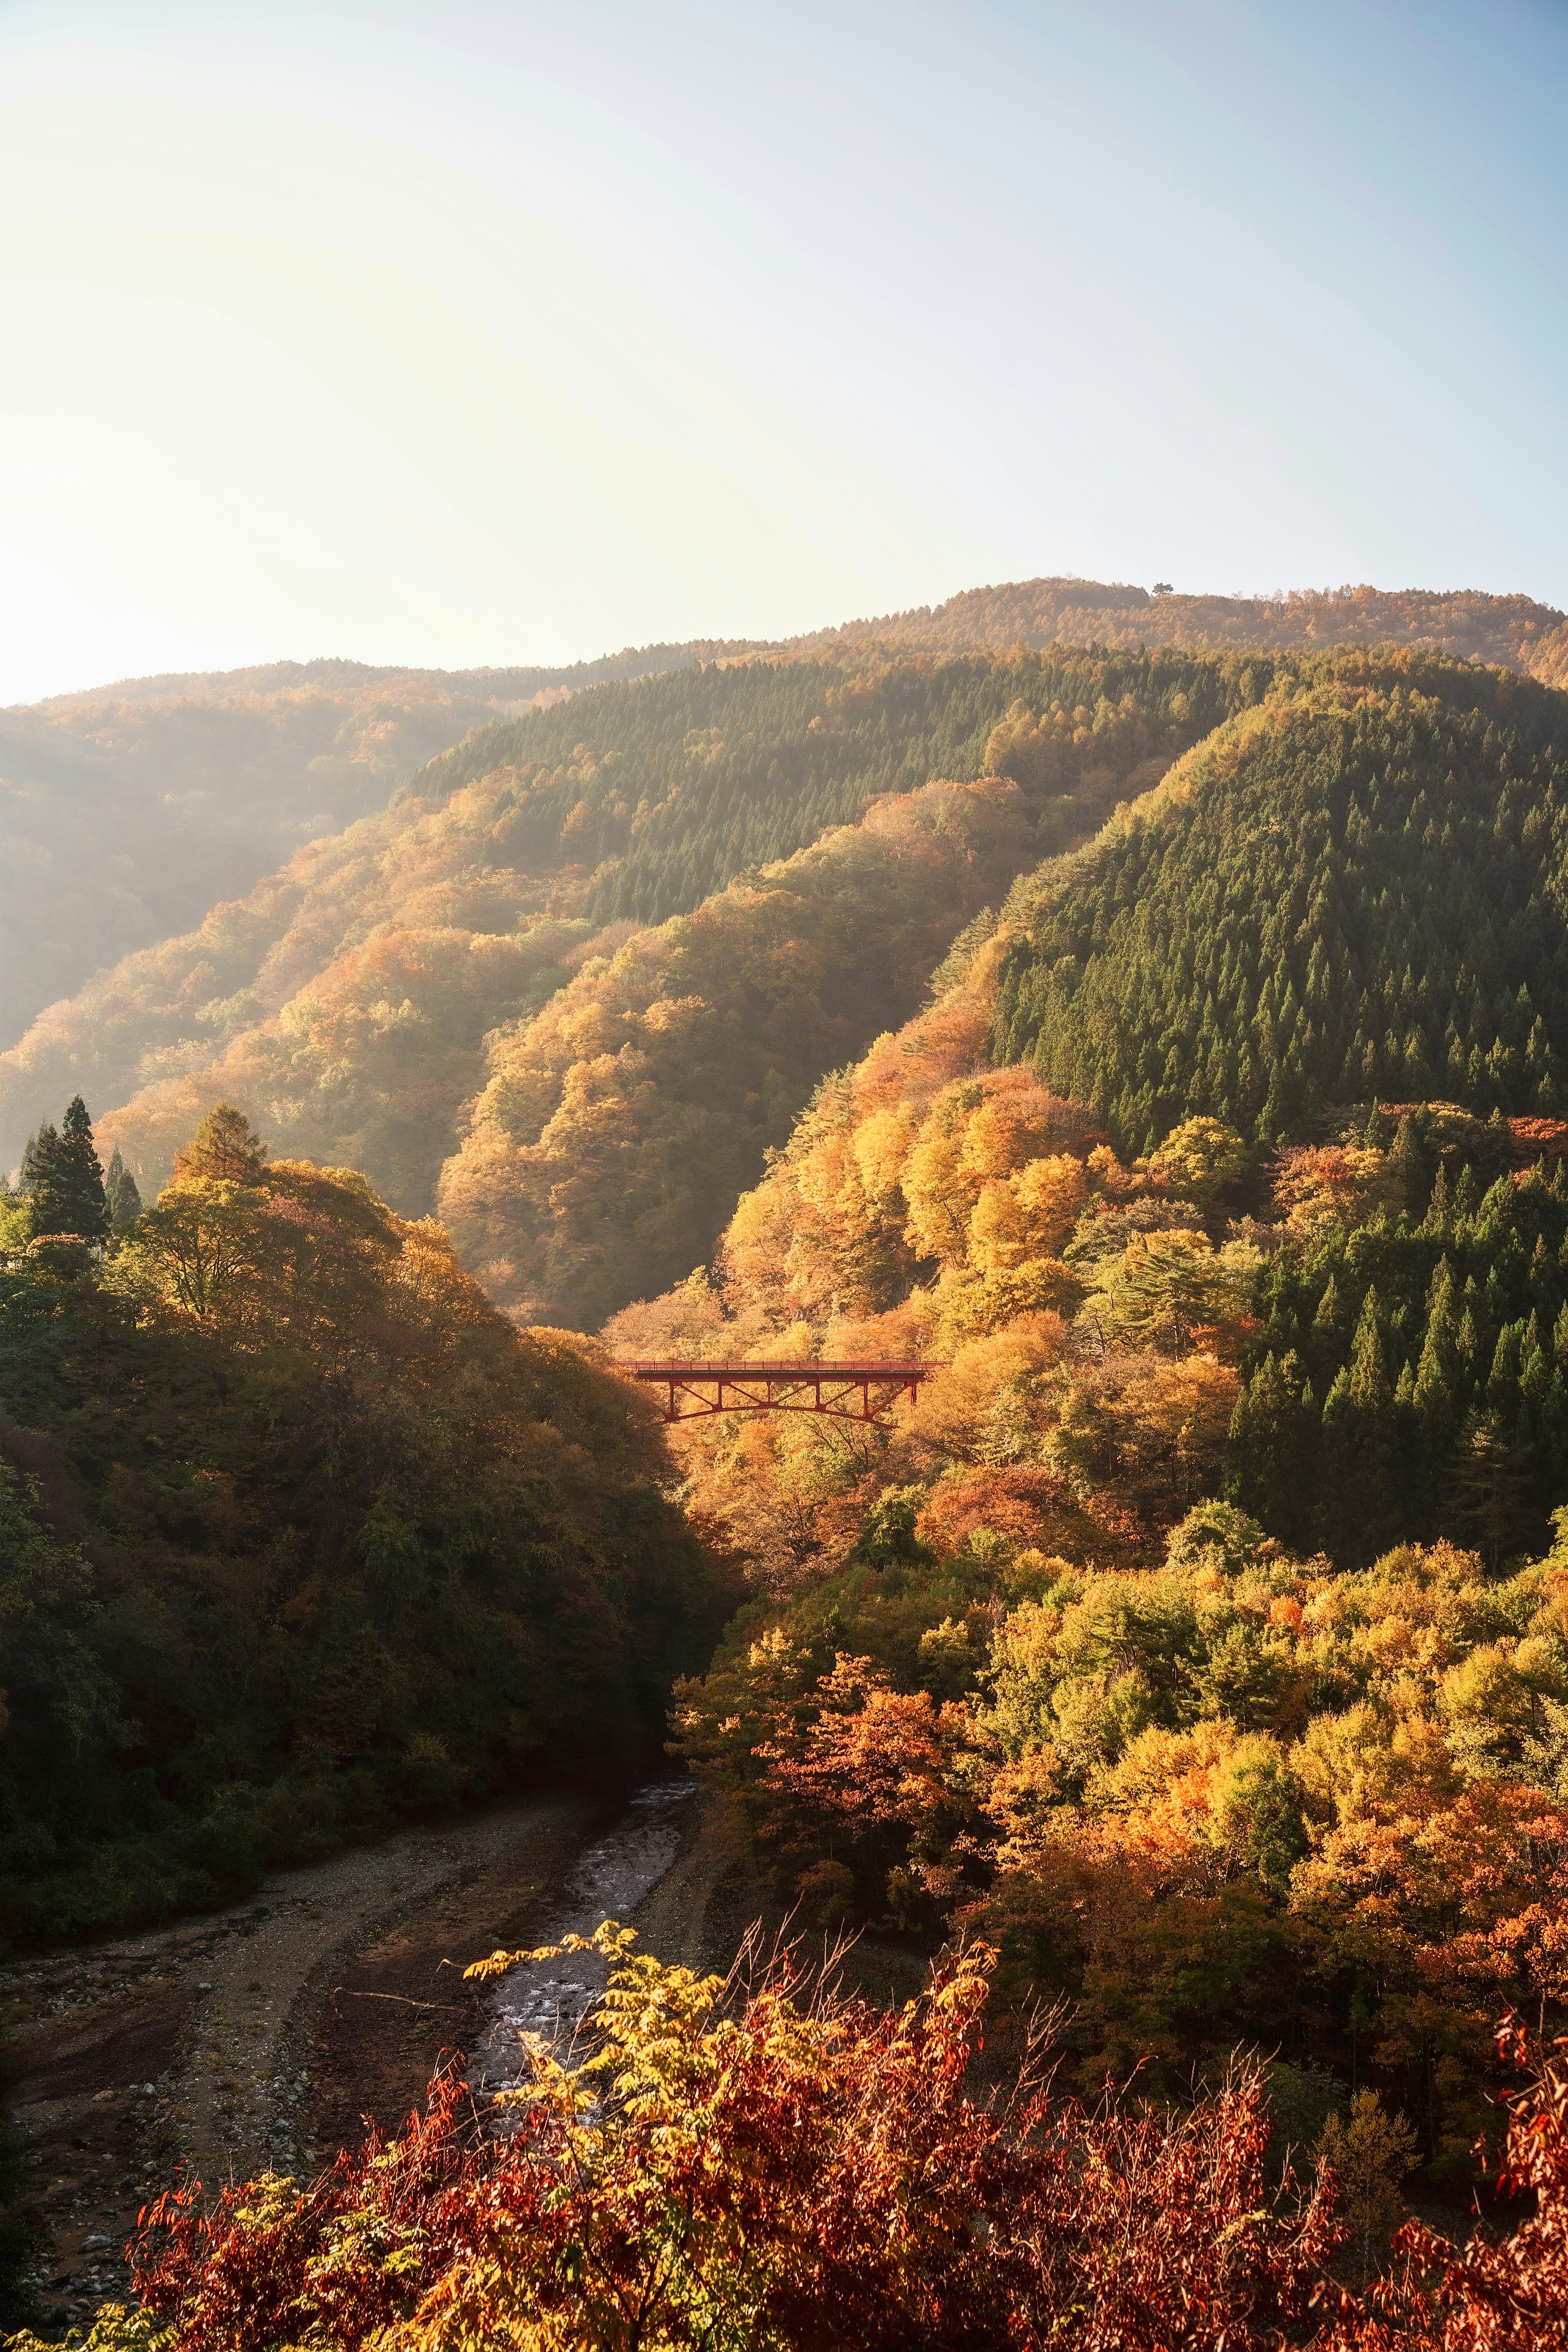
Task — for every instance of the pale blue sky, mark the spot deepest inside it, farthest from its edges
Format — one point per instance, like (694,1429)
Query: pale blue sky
(487,334)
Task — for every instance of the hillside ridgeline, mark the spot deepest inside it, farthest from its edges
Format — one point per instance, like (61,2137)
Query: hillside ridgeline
(1511,631)
(134,810)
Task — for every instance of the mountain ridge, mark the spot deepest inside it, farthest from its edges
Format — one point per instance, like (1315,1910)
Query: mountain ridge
(133,808)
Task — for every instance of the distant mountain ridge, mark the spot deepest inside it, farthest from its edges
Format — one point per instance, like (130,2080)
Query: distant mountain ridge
(1513,631)
(128,811)
(330,672)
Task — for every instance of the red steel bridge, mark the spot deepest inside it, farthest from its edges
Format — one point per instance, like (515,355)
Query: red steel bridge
(839,1391)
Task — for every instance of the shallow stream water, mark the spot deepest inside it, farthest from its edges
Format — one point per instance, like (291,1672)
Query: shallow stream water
(552,1996)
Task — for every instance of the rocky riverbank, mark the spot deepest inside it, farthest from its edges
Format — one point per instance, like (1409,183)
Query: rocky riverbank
(256,2038)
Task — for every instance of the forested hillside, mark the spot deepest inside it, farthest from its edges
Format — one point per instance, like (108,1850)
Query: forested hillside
(345,1003)
(646,801)
(1358,887)
(618,1124)
(1178,1082)
(130,813)
(297,1534)
(1200,1635)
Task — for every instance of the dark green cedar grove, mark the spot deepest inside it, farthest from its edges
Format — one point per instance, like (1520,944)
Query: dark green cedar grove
(1410,1380)
(1356,889)
(63,1178)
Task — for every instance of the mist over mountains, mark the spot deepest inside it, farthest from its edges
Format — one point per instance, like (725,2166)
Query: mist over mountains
(129,810)
(447,957)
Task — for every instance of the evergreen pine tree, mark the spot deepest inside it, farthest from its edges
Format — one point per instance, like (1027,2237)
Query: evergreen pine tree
(1436,1398)
(1534,1369)
(1409,1164)
(1336,1462)
(1486,1486)
(1325,1342)
(1360,1505)
(82,1208)
(1470,1335)
(1273,1440)
(1369,1377)
(40,1178)
(1437,1215)
(1545,1289)
(46,1181)
(1502,1380)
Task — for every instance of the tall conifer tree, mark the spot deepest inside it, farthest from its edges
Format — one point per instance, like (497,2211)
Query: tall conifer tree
(82,1206)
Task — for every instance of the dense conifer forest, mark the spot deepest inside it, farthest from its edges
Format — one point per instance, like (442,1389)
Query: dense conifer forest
(1354,889)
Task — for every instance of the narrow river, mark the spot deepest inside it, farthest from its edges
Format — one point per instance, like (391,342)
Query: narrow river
(610,1878)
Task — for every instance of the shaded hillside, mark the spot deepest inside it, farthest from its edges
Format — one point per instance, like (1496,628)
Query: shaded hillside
(1359,887)
(1505,629)
(346,1002)
(128,811)
(296,1533)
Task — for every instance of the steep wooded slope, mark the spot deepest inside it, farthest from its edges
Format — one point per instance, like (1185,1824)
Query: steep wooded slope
(131,810)
(617,1127)
(1358,888)
(648,795)
(295,1533)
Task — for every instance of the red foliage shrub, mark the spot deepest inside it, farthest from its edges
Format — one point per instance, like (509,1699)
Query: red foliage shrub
(776,2167)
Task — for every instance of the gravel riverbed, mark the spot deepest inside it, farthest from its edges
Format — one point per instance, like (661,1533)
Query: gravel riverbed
(225,2045)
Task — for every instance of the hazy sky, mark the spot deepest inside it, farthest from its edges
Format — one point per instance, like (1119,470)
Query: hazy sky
(479,333)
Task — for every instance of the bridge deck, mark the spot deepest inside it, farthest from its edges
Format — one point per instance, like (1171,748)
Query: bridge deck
(841,1391)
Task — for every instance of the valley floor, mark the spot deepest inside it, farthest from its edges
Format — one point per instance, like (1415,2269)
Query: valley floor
(257,2037)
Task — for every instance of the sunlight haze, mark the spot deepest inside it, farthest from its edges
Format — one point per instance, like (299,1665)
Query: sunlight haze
(485,334)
